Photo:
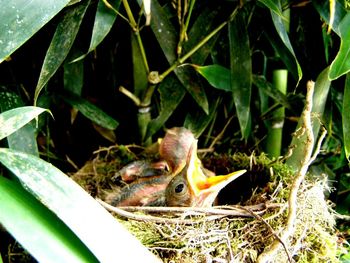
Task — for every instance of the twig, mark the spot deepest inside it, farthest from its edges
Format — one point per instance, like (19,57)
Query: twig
(318,146)
(269,253)
(220,135)
(145,218)
(271,230)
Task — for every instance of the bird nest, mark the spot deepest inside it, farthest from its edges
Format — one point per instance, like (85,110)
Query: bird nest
(237,232)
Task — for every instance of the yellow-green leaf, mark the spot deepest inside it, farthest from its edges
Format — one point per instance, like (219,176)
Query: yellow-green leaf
(12,120)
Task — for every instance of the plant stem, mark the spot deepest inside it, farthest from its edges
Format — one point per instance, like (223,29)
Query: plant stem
(274,134)
(196,47)
(130,15)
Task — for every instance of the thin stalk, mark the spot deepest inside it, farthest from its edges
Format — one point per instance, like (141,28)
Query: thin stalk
(142,50)
(189,14)
(130,15)
(114,10)
(134,26)
(196,47)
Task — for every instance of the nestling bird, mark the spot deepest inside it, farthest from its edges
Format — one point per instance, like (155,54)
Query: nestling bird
(191,187)
(147,181)
(179,179)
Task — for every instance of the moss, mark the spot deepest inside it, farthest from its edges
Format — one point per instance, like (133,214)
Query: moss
(230,238)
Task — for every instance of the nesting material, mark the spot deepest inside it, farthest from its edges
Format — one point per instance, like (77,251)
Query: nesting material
(235,233)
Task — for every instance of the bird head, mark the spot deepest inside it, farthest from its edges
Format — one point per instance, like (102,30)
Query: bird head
(175,147)
(191,187)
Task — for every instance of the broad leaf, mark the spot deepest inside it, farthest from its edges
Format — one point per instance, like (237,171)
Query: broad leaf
(241,71)
(24,139)
(104,20)
(282,32)
(171,94)
(90,111)
(25,218)
(21,19)
(320,96)
(61,43)
(217,76)
(12,120)
(341,63)
(346,117)
(95,227)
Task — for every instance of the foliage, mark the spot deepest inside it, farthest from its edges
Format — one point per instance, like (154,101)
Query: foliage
(60,199)
(206,65)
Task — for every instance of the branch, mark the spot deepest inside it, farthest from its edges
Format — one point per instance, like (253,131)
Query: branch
(269,254)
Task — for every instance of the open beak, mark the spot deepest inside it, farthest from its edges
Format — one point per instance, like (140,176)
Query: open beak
(205,189)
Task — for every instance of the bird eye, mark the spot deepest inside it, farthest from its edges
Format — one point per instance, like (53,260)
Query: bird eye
(179,188)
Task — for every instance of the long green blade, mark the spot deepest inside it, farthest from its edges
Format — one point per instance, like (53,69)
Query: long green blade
(21,19)
(96,228)
(91,111)
(61,43)
(37,228)
(346,117)
(241,71)
(282,32)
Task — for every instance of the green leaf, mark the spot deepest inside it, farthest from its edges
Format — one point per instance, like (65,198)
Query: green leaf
(346,117)
(341,63)
(25,218)
(171,94)
(241,70)
(21,19)
(104,20)
(12,120)
(95,227)
(282,51)
(61,43)
(273,6)
(24,139)
(90,111)
(320,96)
(167,39)
(323,9)
(217,76)
(282,32)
